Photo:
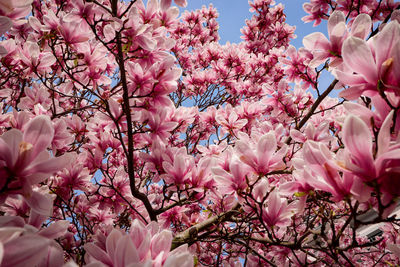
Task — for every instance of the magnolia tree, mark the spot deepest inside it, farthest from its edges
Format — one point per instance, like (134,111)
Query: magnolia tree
(131,137)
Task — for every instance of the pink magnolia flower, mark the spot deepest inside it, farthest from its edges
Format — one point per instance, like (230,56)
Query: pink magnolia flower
(142,246)
(262,157)
(278,212)
(234,180)
(321,171)
(24,160)
(179,171)
(359,158)
(230,121)
(35,59)
(27,244)
(371,67)
(322,48)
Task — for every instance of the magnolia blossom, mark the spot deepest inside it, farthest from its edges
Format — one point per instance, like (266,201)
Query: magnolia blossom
(24,161)
(371,67)
(143,246)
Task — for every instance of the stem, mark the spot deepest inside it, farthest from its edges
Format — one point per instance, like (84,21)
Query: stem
(127,110)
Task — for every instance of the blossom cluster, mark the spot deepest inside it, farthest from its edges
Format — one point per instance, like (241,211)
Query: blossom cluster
(129,136)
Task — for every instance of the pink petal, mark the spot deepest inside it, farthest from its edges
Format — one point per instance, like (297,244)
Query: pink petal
(9,146)
(51,165)
(1,252)
(361,26)
(165,4)
(266,147)
(385,41)
(112,241)
(39,132)
(98,254)
(161,242)
(312,153)
(181,260)
(358,57)
(54,257)
(358,141)
(55,230)
(395,249)
(335,18)
(181,3)
(384,134)
(5,24)
(125,252)
(27,250)
(336,36)
(40,203)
